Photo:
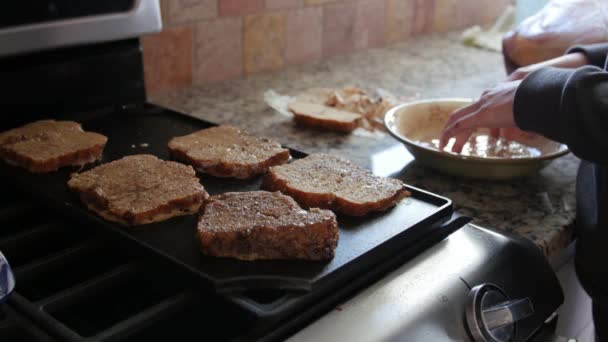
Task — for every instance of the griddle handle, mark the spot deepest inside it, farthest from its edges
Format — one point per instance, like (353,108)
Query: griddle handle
(450,227)
(244,283)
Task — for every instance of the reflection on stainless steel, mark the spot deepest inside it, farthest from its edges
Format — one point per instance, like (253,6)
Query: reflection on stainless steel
(485,146)
(143,18)
(393,307)
(390,160)
(425,299)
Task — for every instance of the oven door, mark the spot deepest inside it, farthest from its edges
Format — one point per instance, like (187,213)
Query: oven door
(32,25)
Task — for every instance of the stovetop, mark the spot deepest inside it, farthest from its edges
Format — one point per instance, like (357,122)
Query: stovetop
(68,261)
(76,282)
(77,285)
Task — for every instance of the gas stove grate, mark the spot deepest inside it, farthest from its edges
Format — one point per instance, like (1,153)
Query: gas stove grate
(82,286)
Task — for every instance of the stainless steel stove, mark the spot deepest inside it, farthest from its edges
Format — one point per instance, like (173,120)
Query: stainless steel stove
(473,285)
(76,282)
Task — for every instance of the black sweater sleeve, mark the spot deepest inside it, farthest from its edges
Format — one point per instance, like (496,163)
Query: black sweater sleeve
(596,53)
(569,106)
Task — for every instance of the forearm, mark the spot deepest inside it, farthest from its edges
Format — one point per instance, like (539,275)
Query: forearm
(594,53)
(571,61)
(568,106)
(577,56)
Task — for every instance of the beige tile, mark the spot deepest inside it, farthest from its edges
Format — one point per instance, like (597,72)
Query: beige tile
(264,42)
(304,35)
(321,2)
(492,10)
(240,7)
(369,24)
(168,59)
(283,4)
(423,16)
(443,15)
(466,14)
(164,12)
(218,53)
(399,20)
(338,29)
(181,11)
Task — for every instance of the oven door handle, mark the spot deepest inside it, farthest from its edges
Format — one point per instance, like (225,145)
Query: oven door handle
(7,279)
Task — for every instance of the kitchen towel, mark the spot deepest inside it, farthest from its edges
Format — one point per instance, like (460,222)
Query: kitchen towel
(490,39)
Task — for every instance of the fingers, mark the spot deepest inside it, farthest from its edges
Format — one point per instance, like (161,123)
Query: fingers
(518,74)
(461,139)
(459,113)
(510,134)
(493,110)
(515,134)
(455,117)
(465,123)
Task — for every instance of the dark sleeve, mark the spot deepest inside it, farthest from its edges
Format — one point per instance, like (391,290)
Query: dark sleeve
(596,53)
(569,106)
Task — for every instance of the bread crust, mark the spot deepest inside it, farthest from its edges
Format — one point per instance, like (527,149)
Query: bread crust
(326,124)
(326,196)
(225,157)
(139,189)
(324,117)
(47,145)
(277,228)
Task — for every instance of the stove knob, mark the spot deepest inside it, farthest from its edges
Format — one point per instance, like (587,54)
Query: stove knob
(491,316)
(7,280)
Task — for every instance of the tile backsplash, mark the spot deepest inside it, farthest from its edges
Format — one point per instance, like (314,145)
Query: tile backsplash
(215,40)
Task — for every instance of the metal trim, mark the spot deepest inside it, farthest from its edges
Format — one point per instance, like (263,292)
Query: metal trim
(144,17)
(473,311)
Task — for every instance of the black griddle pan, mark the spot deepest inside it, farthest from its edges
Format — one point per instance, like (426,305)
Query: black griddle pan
(363,243)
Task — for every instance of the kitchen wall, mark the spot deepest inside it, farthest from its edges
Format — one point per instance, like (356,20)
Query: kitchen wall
(215,40)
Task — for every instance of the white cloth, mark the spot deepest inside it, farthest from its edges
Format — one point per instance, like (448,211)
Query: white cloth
(490,39)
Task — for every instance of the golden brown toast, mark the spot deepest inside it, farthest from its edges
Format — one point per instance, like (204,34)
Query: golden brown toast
(226,151)
(47,145)
(265,225)
(329,182)
(139,189)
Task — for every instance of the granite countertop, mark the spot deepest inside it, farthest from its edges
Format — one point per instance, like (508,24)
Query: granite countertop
(540,207)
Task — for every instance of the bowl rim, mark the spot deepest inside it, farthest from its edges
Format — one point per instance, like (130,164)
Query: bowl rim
(391,113)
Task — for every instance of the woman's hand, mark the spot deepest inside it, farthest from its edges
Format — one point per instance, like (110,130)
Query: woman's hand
(493,110)
(572,60)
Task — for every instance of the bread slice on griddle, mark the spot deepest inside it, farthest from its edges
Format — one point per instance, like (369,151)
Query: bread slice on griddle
(329,182)
(227,151)
(139,189)
(265,225)
(47,145)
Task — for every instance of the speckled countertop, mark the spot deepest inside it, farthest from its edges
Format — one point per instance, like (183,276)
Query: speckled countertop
(540,207)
